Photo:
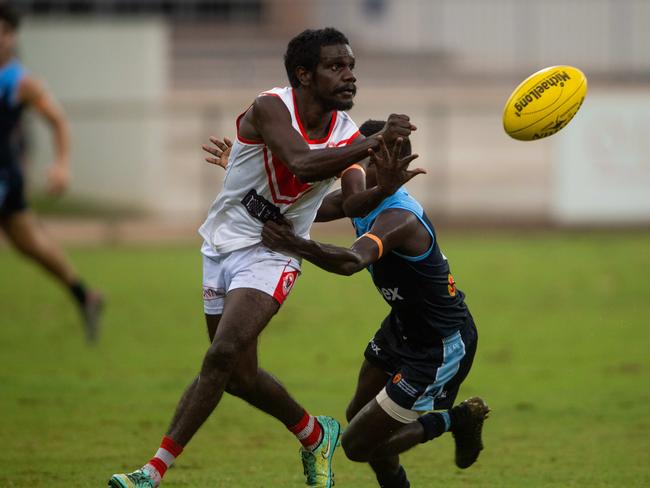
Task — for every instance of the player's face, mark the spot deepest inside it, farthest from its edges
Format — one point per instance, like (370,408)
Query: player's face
(334,80)
(7,40)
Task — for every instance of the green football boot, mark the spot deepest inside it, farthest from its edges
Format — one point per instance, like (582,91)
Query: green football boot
(137,479)
(317,464)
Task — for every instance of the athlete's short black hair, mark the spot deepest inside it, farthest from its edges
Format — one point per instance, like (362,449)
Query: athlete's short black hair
(370,127)
(9,15)
(304,50)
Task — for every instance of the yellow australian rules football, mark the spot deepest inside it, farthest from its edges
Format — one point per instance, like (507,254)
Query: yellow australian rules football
(544,103)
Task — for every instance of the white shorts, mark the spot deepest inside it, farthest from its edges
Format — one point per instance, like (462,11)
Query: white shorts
(255,267)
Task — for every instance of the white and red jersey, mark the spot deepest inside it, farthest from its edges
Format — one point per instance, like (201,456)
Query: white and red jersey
(258,184)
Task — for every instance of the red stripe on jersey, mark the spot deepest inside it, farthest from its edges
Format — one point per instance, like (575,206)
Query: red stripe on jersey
(347,141)
(285,186)
(252,141)
(302,129)
(242,139)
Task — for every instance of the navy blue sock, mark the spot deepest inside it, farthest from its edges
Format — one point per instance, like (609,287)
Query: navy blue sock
(396,480)
(435,424)
(79,292)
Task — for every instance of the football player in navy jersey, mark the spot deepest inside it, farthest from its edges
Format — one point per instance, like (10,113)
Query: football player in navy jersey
(18,91)
(424,349)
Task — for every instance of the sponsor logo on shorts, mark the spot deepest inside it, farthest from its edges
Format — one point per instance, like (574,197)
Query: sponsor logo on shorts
(213,293)
(451,287)
(287,280)
(402,384)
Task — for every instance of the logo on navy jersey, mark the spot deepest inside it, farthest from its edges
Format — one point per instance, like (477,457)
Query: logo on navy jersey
(451,287)
(391,294)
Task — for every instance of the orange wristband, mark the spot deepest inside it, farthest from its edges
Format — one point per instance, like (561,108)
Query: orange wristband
(377,240)
(354,166)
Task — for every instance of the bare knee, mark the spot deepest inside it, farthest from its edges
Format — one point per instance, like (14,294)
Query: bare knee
(241,384)
(351,411)
(221,358)
(354,450)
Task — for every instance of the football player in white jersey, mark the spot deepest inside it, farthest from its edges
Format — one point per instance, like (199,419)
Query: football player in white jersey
(291,143)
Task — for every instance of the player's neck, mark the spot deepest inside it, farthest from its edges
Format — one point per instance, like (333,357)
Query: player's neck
(314,117)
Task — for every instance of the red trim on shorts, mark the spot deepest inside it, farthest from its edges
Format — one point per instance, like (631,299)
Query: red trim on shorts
(285,285)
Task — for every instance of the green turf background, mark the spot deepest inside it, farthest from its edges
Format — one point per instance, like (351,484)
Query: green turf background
(563,362)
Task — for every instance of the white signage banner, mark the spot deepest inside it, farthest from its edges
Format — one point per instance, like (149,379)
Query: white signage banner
(601,171)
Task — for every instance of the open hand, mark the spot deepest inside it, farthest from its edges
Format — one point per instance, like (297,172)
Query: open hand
(392,171)
(220,150)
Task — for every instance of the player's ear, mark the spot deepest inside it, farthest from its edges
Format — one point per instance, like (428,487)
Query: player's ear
(304,76)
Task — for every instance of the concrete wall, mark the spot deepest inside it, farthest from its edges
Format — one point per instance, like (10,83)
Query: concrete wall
(510,35)
(112,80)
(136,142)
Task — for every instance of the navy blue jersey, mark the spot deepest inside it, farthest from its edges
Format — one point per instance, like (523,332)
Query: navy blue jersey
(10,112)
(425,303)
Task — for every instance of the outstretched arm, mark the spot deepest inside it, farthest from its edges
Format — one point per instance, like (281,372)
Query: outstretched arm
(353,199)
(391,230)
(34,94)
(391,173)
(268,119)
(331,208)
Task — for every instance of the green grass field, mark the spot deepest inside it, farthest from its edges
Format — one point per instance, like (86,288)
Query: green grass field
(563,362)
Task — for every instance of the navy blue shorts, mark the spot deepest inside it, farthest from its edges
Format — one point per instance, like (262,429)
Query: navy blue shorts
(423,378)
(12,190)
